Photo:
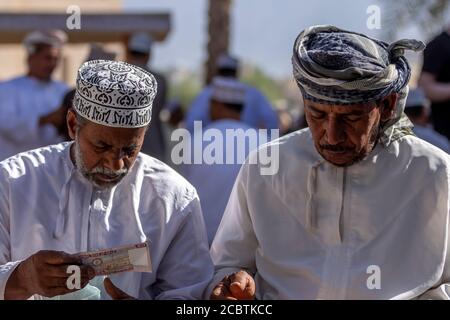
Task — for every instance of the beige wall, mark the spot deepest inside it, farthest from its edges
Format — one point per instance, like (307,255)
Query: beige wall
(13,57)
(60,5)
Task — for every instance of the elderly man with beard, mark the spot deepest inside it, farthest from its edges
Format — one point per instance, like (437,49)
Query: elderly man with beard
(100,192)
(359,208)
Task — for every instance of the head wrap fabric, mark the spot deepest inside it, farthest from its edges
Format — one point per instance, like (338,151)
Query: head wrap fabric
(114,94)
(336,66)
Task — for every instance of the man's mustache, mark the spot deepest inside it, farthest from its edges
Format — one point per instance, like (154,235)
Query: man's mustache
(110,173)
(335,148)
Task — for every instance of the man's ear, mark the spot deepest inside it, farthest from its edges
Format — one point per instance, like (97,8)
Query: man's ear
(388,104)
(71,119)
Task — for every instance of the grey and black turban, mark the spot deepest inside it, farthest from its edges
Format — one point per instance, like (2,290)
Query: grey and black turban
(336,66)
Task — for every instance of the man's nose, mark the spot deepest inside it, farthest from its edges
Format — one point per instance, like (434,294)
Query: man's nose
(335,131)
(115,160)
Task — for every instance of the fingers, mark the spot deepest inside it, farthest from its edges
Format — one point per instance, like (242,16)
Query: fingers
(53,279)
(57,257)
(114,292)
(238,286)
(242,286)
(221,292)
(62,271)
(87,272)
(47,272)
(58,286)
(59,290)
(63,282)
(239,278)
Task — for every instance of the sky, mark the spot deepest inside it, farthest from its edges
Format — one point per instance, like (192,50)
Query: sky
(262,31)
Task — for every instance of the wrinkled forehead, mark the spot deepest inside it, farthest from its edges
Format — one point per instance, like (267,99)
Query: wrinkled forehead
(112,136)
(357,108)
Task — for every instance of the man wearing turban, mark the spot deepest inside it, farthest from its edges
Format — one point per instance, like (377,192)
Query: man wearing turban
(359,208)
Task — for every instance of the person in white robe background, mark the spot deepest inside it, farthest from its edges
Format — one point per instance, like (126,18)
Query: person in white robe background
(30,104)
(417,108)
(100,192)
(359,208)
(235,139)
(258,111)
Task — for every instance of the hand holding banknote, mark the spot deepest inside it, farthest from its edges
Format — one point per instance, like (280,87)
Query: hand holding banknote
(45,273)
(134,257)
(127,258)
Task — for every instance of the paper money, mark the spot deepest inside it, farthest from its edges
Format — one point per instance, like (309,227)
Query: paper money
(127,258)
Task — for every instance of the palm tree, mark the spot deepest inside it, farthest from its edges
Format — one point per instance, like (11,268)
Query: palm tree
(429,15)
(218,34)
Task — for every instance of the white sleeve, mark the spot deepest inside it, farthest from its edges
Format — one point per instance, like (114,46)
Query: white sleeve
(6,266)
(442,291)
(186,268)
(235,243)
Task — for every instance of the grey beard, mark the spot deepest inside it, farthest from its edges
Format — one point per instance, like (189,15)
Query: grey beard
(89,174)
(373,140)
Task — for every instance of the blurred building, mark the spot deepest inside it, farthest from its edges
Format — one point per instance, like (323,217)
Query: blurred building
(102,21)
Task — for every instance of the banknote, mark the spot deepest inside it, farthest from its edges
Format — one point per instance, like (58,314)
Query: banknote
(127,258)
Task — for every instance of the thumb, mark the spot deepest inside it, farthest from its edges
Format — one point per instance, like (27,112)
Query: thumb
(242,286)
(237,288)
(114,292)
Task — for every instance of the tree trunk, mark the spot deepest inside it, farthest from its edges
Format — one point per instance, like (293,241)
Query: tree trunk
(218,34)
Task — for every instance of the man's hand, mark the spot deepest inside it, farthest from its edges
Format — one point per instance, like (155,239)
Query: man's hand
(45,273)
(238,286)
(114,292)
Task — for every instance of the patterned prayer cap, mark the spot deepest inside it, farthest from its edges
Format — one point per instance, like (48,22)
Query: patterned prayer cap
(114,94)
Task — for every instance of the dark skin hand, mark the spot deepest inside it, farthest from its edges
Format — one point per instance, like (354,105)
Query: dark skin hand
(237,286)
(114,292)
(45,273)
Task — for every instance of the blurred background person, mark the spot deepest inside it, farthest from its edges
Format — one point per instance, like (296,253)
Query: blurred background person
(172,117)
(98,52)
(139,53)
(258,112)
(214,181)
(435,81)
(173,114)
(417,110)
(30,110)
